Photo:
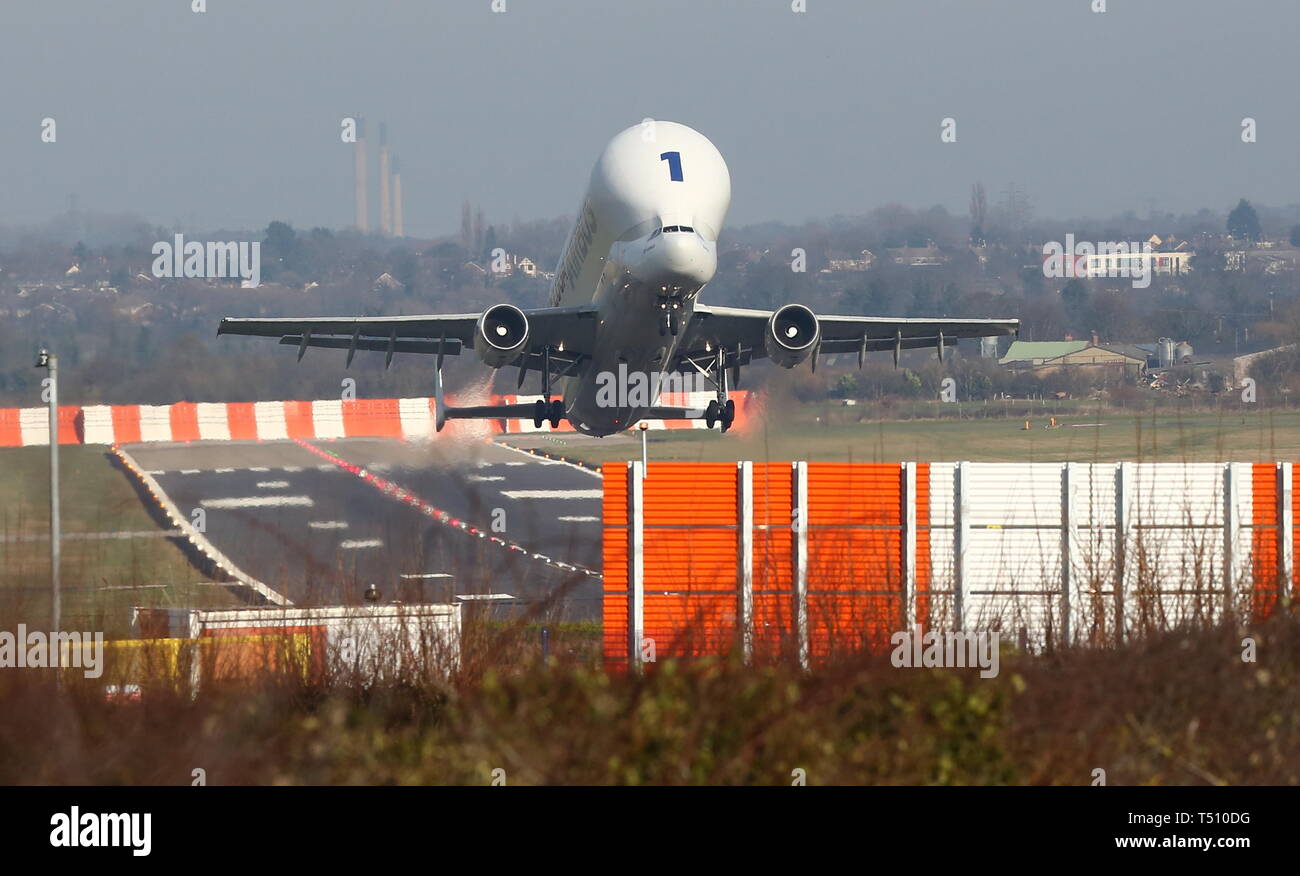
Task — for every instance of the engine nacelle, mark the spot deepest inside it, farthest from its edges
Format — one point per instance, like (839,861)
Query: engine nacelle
(792,335)
(501,335)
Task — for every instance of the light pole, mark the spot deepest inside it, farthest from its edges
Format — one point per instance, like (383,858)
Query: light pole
(48,360)
(644,427)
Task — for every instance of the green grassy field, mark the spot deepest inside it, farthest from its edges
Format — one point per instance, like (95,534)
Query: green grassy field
(101,577)
(848,434)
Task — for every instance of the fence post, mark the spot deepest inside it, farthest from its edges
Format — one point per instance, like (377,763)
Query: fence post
(799,540)
(745,557)
(960,523)
(635,565)
(1231,527)
(1123,511)
(1285,533)
(909,545)
(1068,474)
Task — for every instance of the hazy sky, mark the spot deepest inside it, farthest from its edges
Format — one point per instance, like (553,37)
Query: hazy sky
(232,117)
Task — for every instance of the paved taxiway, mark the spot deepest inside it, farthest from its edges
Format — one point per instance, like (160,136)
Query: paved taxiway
(319,533)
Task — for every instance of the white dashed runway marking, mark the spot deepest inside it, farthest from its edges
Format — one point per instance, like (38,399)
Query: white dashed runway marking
(359,543)
(272,485)
(552,494)
(578,518)
(327,524)
(484,478)
(258,502)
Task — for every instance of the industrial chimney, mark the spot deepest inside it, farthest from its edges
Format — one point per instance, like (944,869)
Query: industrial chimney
(385,205)
(397,199)
(359,172)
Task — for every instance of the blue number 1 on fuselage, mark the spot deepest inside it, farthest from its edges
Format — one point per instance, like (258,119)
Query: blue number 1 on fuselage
(674,160)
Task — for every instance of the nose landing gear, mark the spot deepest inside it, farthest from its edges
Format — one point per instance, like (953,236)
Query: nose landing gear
(670,321)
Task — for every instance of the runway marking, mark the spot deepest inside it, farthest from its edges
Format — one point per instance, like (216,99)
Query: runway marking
(482,478)
(324,468)
(359,543)
(552,494)
(327,524)
(514,463)
(157,472)
(272,485)
(483,596)
(223,470)
(578,518)
(292,468)
(258,468)
(400,494)
(189,471)
(419,575)
(258,502)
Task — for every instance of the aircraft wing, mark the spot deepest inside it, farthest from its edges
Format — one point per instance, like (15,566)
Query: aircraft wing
(572,328)
(742,329)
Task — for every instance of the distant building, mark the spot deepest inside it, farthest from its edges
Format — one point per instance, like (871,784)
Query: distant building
(918,256)
(862,263)
(1031,354)
(1073,354)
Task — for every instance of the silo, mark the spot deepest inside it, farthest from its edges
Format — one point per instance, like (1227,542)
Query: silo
(1165,352)
(1183,353)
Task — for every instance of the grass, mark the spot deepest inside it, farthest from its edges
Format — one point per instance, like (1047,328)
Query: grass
(850,435)
(101,578)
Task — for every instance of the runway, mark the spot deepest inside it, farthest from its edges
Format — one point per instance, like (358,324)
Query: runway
(322,521)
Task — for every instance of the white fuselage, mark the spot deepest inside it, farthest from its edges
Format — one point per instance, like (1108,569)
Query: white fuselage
(619,257)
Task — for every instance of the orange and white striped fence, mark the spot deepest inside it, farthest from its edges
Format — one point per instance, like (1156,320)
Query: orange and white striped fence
(405,418)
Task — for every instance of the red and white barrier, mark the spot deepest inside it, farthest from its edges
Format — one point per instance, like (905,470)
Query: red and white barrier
(405,418)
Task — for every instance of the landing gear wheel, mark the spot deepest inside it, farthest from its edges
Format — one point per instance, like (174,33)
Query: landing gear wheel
(673,324)
(711,413)
(539,413)
(557,413)
(728,414)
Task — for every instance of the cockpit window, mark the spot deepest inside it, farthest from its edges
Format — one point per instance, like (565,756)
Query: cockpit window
(687,228)
(668,228)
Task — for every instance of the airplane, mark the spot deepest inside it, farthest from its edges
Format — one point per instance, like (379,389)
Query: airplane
(626,293)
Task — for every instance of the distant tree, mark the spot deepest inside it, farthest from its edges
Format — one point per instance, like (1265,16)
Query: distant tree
(80,252)
(1243,222)
(1074,297)
(280,250)
(1295,235)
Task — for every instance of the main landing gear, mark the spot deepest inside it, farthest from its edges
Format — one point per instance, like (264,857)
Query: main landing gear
(722,409)
(547,408)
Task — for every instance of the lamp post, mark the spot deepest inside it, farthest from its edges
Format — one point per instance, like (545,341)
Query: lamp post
(644,427)
(48,360)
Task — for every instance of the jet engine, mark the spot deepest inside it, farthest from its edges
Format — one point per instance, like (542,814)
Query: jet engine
(792,335)
(501,335)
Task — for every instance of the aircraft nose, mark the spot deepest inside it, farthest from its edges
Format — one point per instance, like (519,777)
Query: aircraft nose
(681,259)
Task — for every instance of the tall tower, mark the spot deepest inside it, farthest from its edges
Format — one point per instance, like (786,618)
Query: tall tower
(359,174)
(397,199)
(385,205)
